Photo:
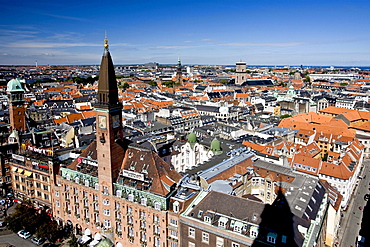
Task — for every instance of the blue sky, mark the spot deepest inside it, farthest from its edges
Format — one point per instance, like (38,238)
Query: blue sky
(264,32)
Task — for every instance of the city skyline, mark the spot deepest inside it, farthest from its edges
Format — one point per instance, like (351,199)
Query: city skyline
(207,32)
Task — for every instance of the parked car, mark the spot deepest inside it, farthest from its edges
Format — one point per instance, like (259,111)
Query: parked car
(2,223)
(38,241)
(24,234)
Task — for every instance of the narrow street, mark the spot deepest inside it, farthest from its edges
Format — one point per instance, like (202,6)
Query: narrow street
(351,221)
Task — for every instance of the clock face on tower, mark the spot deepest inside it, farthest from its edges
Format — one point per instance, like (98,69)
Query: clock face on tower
(115,120)
(102,122)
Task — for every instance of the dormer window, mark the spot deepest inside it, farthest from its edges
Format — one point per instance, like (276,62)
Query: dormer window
(130,155)
(176,207)
(222,222)
(157,206)
(143,201)
(142,157)
(271,237)
(207,219)
(200,213)
(131,197)
(254,218)
(119,193)
(238,227)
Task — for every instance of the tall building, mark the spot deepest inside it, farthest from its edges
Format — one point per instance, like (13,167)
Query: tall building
(179,79)
(241,73)
(17,110)
(116,190)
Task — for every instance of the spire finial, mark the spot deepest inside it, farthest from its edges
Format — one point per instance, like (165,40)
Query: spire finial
(106,46)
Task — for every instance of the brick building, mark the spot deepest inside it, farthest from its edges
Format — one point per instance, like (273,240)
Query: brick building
(115,189)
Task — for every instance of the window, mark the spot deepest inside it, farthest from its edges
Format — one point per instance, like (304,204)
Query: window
(207,219)
(117,205)
(191,232)
(106,212)
(105,190)
(119,193)
(106,202)
(235,245)
(157,242)
(219,242)
(131,197)
(173,234)
(142,215)
(157,206)
(176,207)
(131,232)
(118,227)
(96,186)
(156,219)
(57,193)
(143,237)
(191,244)
(130,220)
(129,210)
(173,222)
(57,203)
(271,239)
(142,224)
(205,237)
(107,223)
(87,183)
(143,201)
(156,230)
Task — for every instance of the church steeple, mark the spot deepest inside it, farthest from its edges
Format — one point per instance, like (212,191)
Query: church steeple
(179,79)
(107,89)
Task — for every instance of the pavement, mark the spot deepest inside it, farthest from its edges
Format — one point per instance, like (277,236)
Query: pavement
(351,221)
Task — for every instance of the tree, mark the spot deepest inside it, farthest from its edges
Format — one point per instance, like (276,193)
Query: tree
(33,220)
(73,241)
(24,217)
(307,79)
(285,116)
(168,84)
(126,85)
(153,83)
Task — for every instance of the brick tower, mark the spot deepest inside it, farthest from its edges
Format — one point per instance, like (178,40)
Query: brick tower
(109,130)
(17,110)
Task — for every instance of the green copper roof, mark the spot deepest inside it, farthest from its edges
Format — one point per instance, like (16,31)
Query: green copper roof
(192,138)
(216,146)
(105,243)
(14,85)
